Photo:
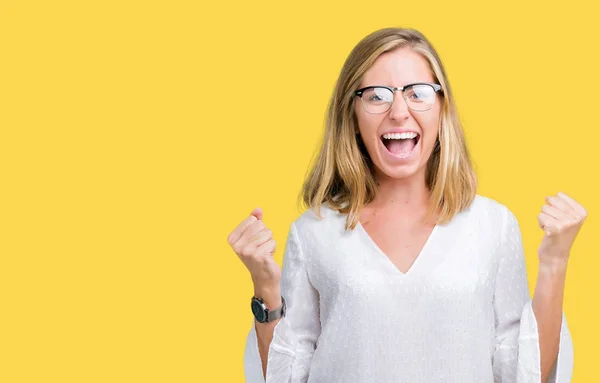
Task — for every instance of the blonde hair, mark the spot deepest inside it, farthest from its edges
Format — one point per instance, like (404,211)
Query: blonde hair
(342,175)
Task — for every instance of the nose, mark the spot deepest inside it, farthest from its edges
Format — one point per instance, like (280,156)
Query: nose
(399,109)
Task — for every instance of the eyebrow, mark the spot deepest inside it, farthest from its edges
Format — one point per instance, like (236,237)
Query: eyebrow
(404,86)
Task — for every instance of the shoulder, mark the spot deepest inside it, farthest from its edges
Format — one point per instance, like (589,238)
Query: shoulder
(485,208)
(489,215)
(322,224)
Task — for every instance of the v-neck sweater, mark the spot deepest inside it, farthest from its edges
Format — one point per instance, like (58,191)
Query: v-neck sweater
(462,312)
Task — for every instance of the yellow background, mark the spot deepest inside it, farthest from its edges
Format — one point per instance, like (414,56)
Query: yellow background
(136,135)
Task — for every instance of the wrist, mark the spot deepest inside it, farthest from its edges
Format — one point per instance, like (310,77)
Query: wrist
(554,265)
(271,296)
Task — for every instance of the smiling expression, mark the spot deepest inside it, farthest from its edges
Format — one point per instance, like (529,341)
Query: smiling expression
(401,140)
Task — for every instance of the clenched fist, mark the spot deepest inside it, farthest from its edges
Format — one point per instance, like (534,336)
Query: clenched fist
(561,218)
(253,242)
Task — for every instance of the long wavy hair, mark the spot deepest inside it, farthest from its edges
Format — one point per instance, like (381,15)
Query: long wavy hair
(342,173)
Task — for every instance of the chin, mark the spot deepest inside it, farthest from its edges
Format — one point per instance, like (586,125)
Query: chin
(400,172)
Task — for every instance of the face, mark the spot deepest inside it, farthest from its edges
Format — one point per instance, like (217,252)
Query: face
(399,155)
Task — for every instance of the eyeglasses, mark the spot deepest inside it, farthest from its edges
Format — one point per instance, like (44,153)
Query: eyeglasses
(378,99)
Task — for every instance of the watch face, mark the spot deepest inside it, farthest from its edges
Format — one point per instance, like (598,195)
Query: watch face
(258,311)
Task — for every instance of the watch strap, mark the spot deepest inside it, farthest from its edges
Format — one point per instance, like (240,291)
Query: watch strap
(276,313)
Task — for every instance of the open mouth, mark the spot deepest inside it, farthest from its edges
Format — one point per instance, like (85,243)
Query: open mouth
(400,144)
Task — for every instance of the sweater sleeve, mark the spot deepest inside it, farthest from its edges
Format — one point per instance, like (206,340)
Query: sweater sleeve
(516,357)
(295,335)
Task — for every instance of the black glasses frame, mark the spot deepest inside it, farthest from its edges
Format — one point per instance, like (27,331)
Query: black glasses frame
(359,92)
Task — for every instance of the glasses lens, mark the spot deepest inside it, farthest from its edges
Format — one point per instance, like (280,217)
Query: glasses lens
(420,97)
(377,100)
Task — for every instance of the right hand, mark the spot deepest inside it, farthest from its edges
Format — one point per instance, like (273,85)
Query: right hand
(253,242)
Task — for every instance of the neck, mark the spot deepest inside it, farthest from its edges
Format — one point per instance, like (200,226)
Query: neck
(402,196)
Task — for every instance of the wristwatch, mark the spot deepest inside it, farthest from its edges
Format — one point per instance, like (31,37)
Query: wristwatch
(262,314)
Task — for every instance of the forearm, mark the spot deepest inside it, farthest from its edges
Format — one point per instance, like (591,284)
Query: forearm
(264,331)
(548,309)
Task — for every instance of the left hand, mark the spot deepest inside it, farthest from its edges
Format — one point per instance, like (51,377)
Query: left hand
(561,218)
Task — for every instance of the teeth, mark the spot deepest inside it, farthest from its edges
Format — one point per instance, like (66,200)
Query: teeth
(400,136)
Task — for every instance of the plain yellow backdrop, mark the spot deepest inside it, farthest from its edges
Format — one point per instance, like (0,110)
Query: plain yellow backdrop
(135,135)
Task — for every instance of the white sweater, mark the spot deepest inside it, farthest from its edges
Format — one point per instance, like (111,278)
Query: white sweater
(462,313)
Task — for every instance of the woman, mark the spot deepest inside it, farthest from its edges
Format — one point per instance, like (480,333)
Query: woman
(399,271)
